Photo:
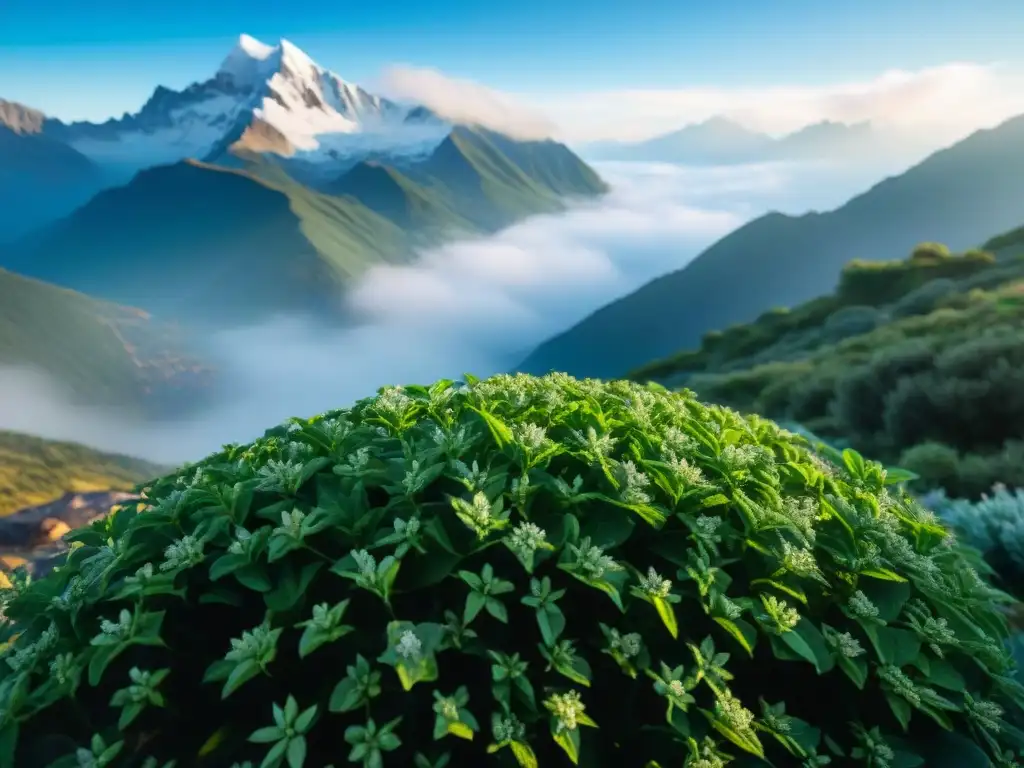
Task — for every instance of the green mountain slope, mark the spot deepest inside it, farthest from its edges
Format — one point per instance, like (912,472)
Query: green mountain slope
(102,354)
(958,196)
(918,362)
(35,471)
(494,181)
(216,245)
(396,197)
(198,242)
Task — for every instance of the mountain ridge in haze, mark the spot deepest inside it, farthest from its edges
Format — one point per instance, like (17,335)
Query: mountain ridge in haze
(958,196)
(723,141)
(229,245)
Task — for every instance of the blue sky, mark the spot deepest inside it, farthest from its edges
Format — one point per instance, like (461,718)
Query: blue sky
(94,59)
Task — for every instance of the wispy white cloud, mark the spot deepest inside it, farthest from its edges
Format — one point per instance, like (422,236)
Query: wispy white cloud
(943,102)
(465,101)
(475,306)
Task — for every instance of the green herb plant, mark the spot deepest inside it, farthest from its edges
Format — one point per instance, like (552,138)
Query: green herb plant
(514,571)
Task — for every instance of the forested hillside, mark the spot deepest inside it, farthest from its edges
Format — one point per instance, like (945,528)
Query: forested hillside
(918,362)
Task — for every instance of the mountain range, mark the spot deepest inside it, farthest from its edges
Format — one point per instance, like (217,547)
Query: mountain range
(721,141)
(958,196)
(262,190)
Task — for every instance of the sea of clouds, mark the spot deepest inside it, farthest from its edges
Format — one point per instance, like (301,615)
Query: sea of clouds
(476,306)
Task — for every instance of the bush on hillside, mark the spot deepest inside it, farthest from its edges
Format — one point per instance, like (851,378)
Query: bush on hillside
(964,475)
(851,321)
(860,394)
(884,282)
(994,525)
(929,252)
(514,571)
(924,299)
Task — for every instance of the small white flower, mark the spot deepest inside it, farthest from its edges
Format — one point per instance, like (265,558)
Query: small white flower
(409,646)
(525,538)
(121,628)
(567,708)
(592,560)
(654,585)
(633,484)
(862,607)
(365,562)
(183,553)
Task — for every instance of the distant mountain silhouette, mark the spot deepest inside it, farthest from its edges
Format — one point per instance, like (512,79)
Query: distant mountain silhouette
(958,196)
(720,141)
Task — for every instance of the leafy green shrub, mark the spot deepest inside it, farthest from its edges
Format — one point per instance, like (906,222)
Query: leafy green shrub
(930,252)
(860,394)
(994,525)
(471,575)
(924,299)
(964,475)
(936,464)
(851,321)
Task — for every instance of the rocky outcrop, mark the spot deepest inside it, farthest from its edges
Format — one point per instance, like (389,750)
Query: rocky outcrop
(19,118)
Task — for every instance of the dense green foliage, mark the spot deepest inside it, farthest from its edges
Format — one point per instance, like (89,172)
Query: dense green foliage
(471,574)
(918,362)
(35,471)
(959,196)
(994,525)
(267,240)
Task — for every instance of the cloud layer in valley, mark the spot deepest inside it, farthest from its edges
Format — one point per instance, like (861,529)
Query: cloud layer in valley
(475,306)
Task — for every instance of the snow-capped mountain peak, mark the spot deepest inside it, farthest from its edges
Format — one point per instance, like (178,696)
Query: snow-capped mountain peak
(296,107)
(250,62)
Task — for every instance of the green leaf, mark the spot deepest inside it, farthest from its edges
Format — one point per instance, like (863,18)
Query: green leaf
(751,745)
(499,430)
(254,577)
(856,669)
(292,586)
(901,708)
(275,754)
(882,573)
(461,730)
(569,741)
(667,614)
(854,462)
(296,752)
(226,564)
(951,750)
(607,527)
(497,609)
(743,632)
(551,621)
(242,673)
(9,743)
(896,475)
(345,697)
(808,632)
(888,596)
(894,646)
(797,645)
(523,754)
(943,674)
(101,658)
(474,604)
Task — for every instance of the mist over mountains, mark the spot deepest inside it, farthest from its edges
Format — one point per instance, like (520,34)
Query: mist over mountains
(722,141)
(274,218)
